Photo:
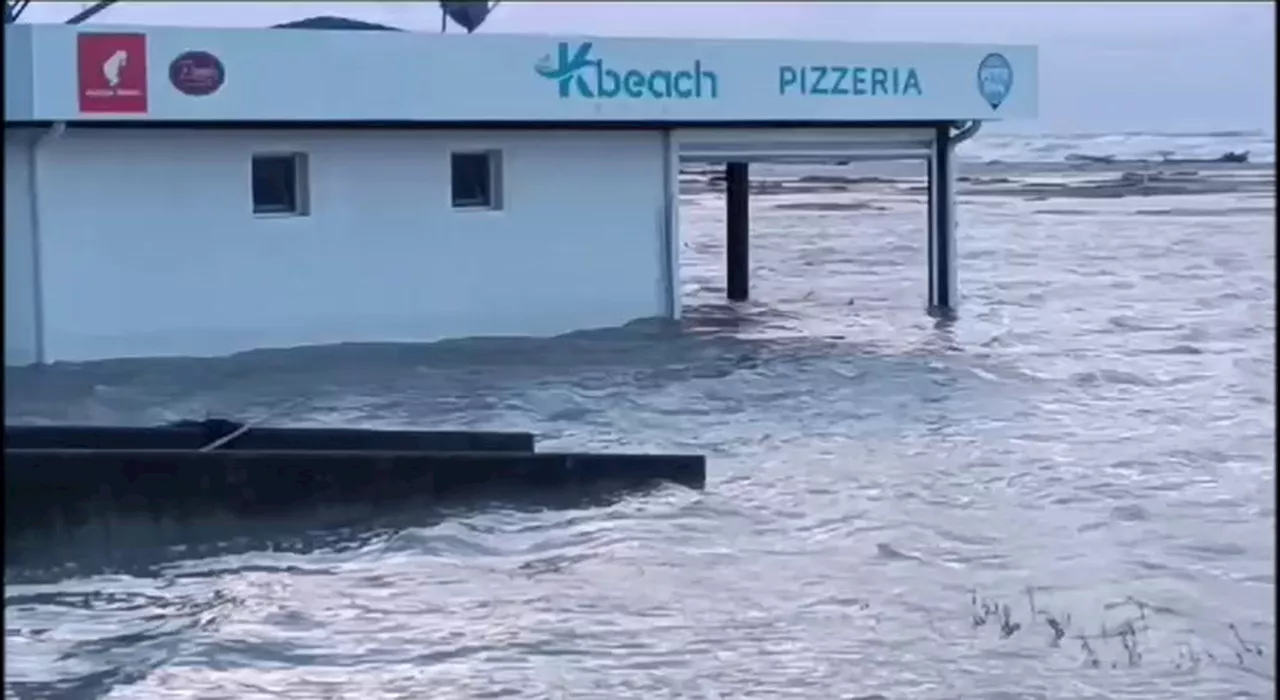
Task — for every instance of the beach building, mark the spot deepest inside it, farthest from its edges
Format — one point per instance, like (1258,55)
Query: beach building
(194,191)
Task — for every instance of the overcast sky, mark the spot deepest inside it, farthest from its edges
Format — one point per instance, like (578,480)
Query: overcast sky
(1153,66)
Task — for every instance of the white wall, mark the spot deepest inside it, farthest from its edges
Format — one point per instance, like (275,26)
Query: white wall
(150,247)
(19,86)
(20,325)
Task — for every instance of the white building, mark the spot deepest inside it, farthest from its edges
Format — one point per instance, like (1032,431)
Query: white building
(193,191)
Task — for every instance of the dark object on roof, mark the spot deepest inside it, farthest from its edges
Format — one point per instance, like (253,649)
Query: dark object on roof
(13,9)
(90,12)
(469,14)
(335,23)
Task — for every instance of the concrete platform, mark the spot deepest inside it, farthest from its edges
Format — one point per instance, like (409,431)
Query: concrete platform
(193,435)
(49,492)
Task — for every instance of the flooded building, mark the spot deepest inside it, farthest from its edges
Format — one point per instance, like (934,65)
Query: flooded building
(199,192)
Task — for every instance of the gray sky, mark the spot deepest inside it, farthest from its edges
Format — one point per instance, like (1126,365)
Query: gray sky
(1150,66)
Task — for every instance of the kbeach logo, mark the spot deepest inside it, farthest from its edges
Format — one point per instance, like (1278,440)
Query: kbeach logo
(577,72)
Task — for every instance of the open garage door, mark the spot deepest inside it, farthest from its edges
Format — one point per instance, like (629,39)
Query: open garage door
(804,145)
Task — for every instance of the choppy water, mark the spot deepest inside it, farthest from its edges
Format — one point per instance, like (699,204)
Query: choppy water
(1128,146)
(1090,444)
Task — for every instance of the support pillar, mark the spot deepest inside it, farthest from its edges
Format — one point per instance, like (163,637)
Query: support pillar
(737,259)
(943,296)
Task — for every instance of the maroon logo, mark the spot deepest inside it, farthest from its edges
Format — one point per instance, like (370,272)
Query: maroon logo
(197,73)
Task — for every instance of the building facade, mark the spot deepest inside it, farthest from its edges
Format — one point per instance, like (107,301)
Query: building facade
(185,191)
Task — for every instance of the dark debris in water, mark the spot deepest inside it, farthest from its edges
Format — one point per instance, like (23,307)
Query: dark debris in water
(1127,634)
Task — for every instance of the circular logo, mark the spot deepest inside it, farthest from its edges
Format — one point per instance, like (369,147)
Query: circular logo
(197,73)
(995,79)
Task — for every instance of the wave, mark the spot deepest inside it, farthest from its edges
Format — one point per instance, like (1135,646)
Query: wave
(1167,157)
(1193,148)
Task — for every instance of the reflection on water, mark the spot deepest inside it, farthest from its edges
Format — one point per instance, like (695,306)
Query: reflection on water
(1066,493)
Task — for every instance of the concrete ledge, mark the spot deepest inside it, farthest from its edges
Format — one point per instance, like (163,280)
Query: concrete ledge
(192,435)
(136,544)
(52,491)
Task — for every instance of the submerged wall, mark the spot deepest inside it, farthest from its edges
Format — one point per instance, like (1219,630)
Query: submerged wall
(150,245)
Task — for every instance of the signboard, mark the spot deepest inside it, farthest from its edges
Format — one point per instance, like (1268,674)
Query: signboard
(299,75)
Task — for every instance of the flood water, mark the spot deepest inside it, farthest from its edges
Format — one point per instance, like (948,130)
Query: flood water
(1066,493)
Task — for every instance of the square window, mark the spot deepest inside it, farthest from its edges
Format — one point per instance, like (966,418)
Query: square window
(279,184)
(476,180)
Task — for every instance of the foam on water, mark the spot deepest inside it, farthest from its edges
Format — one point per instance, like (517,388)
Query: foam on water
(1091,445)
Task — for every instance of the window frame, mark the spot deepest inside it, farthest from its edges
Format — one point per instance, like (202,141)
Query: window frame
(298,180)
(492,159)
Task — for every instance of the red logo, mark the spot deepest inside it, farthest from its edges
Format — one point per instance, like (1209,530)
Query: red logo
(112,73)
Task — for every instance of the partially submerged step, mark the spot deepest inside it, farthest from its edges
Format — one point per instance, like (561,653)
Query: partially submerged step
(55,491)
(194,435)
